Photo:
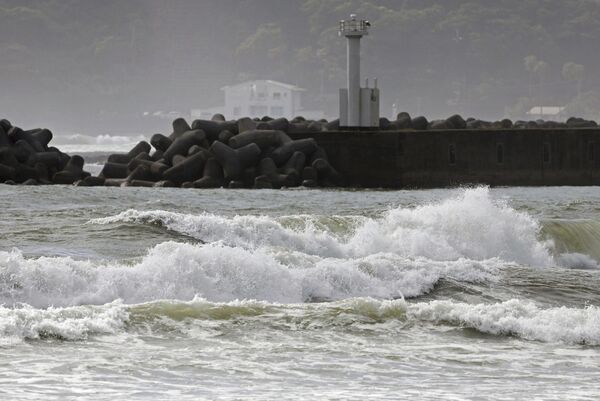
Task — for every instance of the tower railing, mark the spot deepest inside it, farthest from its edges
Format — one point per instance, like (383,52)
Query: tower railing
(354,27)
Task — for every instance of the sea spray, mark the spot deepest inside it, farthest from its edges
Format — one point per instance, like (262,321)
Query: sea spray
(71,323)
(471,226)
(222,273)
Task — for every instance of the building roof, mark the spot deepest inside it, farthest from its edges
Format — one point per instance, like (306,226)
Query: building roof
(266,82)
(546,110)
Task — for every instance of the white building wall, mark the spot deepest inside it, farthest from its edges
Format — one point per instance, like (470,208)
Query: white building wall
(258,99)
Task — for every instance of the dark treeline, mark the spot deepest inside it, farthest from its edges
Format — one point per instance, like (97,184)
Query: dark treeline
(79,64)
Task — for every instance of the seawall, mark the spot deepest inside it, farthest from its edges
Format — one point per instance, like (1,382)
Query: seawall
(442,158)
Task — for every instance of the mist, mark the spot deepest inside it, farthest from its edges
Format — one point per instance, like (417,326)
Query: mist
(127,67)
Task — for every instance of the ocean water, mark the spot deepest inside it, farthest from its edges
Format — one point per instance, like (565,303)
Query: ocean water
(171,294)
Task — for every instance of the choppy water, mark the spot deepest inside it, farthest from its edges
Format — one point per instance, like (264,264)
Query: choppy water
(134,293)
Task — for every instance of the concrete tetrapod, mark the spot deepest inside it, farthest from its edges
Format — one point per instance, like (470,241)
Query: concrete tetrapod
(268,169)
(4,138)
(212,177)
(283,153)
(234,161)
(114,170)
(156,169)
(182,144)
(263,138)
(160,142)
(212,129)
(188,170)
(328,176)
(72,172)
(180,126)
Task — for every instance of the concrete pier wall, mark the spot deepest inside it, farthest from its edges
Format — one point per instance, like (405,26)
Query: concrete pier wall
(441,158)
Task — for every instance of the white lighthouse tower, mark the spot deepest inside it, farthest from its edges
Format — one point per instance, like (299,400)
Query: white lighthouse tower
(359,107)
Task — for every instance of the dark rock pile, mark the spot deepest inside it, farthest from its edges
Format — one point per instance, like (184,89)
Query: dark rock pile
(26,158)
(218,153)
(405,122)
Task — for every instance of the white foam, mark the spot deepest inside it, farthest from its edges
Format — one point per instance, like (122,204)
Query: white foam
(515,317)
(222,273)
(469,226)
(73,323)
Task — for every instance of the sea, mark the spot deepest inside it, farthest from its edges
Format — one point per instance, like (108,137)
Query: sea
(470,293)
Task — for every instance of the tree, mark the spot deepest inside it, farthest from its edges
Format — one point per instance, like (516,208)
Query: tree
(574,72)
(536,67)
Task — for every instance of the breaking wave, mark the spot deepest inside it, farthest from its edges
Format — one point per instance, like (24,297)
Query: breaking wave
(470,226)
(515,318)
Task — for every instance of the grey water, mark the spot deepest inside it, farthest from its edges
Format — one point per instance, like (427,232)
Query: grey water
(134,293)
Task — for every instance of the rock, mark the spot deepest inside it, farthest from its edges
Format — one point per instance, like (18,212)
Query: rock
(384,123)
(225,136)
(456,122)
(218,117)
(439,125)
(419,123)
(576,122)
(403,121)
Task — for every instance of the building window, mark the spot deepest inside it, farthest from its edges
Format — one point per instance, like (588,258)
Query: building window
(276,111)
(258,111)
(276,95)
(547,152)
(500,153)
(452,154)
(261,95)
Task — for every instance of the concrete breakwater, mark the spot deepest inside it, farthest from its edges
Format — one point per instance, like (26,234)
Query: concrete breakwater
(26,157)
(218,153)
(445,158)
(275,153)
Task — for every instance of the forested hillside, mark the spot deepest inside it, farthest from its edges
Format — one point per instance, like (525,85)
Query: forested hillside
(85,63)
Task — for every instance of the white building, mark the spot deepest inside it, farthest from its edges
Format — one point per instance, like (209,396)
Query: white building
(257,99)
(545,112)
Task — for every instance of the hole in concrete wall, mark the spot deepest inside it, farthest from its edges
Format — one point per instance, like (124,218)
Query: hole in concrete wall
(500,153)
(452,154)
(547,152)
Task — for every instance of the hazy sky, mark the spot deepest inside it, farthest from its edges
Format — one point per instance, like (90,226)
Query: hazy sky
(96,66)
